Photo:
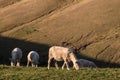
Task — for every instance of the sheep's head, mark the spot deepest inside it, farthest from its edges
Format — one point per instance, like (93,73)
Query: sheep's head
(13,62)
(76,65)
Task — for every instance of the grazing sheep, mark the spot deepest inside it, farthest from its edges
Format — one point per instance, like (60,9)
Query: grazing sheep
(86,63)
(16,56)
(62,54)
(33,57)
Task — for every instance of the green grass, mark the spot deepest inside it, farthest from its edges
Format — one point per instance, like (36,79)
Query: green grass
(42,73)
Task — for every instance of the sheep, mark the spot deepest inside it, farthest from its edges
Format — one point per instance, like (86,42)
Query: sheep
(33,57)
(86,63)
(59,53)
(16,56)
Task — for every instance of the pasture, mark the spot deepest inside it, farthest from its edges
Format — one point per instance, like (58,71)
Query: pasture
(42,73)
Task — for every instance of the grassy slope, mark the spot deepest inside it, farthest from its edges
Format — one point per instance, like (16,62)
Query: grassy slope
(28,10)
(41,73)
(91,26)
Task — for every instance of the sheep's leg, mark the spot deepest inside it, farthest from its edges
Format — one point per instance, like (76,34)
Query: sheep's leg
(49,61)
(12,64)
(33,64)
(28,63)
(36,65)
(56,65)
(63,65)
(67,65)
(18,63)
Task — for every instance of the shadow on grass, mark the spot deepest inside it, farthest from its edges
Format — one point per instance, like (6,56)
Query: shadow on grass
(7,44)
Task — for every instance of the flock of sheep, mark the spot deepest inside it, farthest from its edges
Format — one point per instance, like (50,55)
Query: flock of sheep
(57,53)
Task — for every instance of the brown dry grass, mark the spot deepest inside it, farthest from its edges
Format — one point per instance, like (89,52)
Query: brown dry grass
(26,11)
(4,3)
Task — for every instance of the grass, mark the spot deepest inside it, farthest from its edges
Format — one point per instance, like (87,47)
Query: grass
(53,22)
(41,73)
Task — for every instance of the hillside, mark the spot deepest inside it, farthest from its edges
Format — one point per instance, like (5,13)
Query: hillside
(91,27)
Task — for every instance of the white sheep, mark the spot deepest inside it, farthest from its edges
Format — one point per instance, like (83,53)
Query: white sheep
(16,56)
(33,57)
(62,54)
(86,63)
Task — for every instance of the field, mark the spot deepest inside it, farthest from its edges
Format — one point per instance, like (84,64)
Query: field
(90,27)
(42,73)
